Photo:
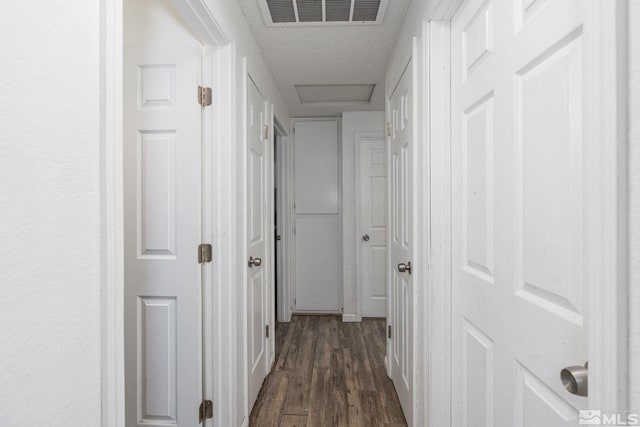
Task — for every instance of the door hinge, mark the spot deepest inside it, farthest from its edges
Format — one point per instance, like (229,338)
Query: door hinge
(266,132)
(205,253)
(205,96)
(266,332)
(389,331)
(206,410)
(388,129)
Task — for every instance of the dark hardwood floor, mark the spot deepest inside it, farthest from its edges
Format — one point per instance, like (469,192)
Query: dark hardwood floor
(328,373)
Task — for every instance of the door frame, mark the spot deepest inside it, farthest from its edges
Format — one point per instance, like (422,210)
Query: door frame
(607,119)
(283,313)
(359,138)
(219,57)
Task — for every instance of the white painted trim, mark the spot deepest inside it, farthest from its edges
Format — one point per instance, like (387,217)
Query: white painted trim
(225,220)
(270,240)
(284,288)
(351,318)
(360,138)
(605,148)
(437,348)
(201,21)
(111,214)
(208,299)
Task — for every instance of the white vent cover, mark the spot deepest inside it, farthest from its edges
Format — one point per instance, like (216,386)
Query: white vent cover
(322,12)
(335,94)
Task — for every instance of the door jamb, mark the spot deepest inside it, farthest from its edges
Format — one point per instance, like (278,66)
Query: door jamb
(284,291)
(220,58)
(607,118)
(361,137)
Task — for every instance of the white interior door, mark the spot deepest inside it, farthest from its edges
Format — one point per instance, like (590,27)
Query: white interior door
(162,213)
(519,241)
(372,221)
(257,229)
(401,239)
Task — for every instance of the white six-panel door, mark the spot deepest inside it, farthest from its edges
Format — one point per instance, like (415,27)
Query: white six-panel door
(162,214)
(372,222)
(520,245)
(257,229)
(401,239)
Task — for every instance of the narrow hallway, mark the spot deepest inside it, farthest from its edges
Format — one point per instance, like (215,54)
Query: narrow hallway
(328,373)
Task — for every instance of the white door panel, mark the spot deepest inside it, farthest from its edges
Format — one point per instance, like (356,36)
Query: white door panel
(519,295)
(372,220)
(317,264)
(401,239)
(316,167)
(162,213)
(257,155)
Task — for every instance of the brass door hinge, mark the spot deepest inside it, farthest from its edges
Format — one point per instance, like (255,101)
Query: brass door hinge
(205,96)
(206,410)
(205,253)
(389,331)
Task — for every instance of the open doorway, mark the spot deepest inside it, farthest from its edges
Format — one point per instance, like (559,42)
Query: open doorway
(281,299)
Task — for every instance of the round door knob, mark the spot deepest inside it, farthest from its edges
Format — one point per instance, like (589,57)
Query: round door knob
(365,237)
(255,262)
(576,379)
(404,268)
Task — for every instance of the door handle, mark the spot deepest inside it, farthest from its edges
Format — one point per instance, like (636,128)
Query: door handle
(404,268)
(365,237)
(576,379)
(255,262)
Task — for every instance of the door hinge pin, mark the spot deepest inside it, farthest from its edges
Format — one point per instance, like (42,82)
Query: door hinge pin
(389,331)
(205,253)
(205,96)
(206,410)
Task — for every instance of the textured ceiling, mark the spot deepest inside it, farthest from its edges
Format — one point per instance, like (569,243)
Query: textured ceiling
(327,55)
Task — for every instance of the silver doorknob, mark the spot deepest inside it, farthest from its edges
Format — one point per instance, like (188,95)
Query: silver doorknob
(255,262)
(404,268)
(576,379)
(365,237)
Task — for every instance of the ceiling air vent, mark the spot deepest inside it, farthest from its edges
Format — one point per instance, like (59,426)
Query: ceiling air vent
(322,12)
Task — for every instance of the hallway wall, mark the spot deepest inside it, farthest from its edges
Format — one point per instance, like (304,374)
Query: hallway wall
(352,122)
(50,213)
(634,201)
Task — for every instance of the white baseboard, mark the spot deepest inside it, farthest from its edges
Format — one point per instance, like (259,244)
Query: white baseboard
(350,318)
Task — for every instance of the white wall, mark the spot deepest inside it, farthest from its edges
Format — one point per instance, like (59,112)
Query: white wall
(153,21)
(49,213)
(634,200)
(352,122)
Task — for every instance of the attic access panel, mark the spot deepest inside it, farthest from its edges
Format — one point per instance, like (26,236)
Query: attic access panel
(283,13)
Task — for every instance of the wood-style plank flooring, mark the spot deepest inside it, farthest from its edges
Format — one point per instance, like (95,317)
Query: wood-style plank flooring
(328,373)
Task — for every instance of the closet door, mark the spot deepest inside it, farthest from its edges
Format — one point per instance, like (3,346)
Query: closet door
(318,266)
